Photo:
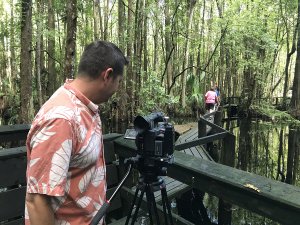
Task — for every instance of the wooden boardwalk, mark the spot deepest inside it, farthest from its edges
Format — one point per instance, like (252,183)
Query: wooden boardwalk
(197,151)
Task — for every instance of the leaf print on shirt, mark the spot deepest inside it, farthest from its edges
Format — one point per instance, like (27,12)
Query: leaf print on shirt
(60,164)
(42,136)
(86,180)
(98,176)
(58,201)
(59,112)
(84,201)
(88,154)
(32,185)
(82,131)
(33,161)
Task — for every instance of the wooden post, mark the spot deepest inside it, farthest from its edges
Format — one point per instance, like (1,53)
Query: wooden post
(228,153)
(227,158)
(201,128)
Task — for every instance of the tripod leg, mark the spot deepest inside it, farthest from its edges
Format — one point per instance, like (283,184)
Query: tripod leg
(138,206)
(132,205)
(152,200)
(165,196)
(149,204)
(163,200)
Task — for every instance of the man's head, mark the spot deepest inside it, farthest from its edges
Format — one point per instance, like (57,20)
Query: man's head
(100,71)
(99,56)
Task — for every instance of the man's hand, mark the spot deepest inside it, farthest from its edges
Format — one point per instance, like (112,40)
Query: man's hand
(39,209)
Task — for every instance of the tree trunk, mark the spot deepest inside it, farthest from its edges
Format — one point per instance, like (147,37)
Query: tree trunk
(51,50)
(26,65)
(221,72)
(145,40)
(169,44)
(288,56)
(129,78)
(96,19)
(294,134)
(13,67)
(121,24)
(70,51)
(190,12)
(40,7)
(105,21)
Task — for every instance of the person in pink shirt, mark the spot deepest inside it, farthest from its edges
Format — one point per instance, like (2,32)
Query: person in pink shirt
(211,99)
(66,174)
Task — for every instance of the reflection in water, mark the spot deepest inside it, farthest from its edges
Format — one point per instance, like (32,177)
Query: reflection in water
(262,148)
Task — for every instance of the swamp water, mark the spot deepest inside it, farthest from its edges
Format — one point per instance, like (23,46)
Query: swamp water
(261,148)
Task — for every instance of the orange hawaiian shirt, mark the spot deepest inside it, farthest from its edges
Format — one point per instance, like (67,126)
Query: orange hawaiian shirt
(66,158)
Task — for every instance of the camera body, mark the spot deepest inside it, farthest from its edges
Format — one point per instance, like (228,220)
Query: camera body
(155,139)
(155,136)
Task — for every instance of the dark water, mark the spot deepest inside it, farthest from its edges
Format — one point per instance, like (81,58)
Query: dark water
(261,148)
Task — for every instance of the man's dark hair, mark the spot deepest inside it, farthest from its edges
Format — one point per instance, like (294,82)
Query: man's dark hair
(100,55)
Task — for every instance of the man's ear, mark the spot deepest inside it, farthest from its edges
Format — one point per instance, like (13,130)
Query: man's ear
(107,73)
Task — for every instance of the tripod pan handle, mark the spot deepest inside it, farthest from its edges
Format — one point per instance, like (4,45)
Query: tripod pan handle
(100,213)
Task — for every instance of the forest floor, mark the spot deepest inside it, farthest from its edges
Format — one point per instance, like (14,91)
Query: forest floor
(181,129)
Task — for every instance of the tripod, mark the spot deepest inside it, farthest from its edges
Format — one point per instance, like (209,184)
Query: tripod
(149,185)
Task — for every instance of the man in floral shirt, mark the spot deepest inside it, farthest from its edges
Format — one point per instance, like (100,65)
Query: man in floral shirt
(66,176)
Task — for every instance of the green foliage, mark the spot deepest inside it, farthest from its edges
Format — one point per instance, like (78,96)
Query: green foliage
(196,96)
(152,96)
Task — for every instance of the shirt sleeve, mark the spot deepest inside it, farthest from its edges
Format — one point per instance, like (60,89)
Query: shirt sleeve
(49,151)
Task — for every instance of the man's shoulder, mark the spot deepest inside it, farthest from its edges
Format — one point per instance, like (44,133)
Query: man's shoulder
(60,105)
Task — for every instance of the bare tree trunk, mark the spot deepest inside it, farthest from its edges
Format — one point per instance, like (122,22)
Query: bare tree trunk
(105,21)
(26,65)
(288,55)
(70,51)
(51,50)
(96,19)
(40,7)
(145,40)
(294,134)
(13,70)
(129,79)
(137,48)
(121,24)
(190,13)
(219,81)
(169,44)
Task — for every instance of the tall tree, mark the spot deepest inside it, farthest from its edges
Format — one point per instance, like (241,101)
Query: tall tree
(13,66)
(70,50)
(39,49)
(294,133)
(26,65)
(51,50)
(189,14)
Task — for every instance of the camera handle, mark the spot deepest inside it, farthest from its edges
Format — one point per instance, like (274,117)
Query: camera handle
(106,204)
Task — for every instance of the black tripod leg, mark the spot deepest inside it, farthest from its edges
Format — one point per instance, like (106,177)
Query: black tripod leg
(149,204)
(164,194)
(163,200)
(138,206)
(132,206)
(151,196)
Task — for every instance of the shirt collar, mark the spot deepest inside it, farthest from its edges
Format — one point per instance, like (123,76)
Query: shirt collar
(93,107)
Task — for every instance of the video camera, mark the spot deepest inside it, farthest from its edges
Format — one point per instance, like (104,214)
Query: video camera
(154,138)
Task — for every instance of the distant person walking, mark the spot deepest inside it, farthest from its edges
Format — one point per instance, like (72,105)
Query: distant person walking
(211,99)
(217,90)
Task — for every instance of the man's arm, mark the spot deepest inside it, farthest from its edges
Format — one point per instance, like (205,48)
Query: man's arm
(39,209)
